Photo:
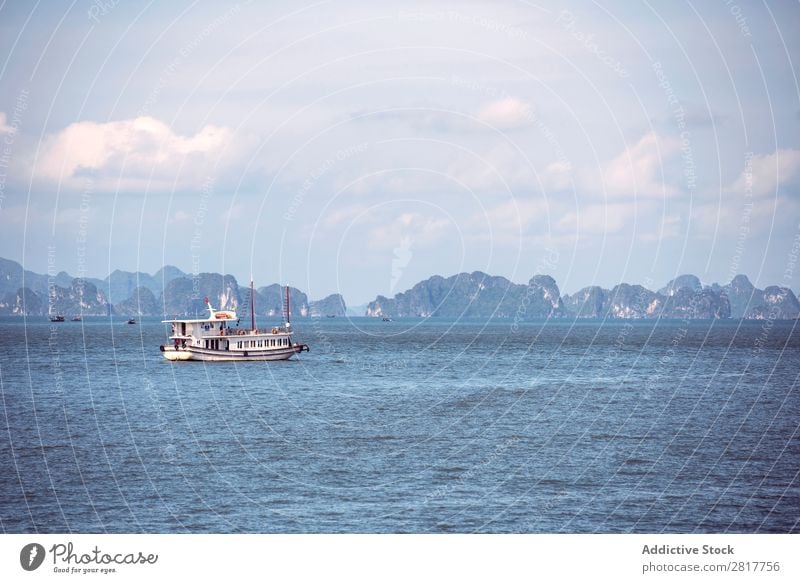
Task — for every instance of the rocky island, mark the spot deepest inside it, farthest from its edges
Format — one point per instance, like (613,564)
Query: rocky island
(171,292)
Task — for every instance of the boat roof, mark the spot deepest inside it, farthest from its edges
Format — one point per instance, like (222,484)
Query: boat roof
(199,320)
(213,316)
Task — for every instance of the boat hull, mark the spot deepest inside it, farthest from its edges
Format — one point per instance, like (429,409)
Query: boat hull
(197,353)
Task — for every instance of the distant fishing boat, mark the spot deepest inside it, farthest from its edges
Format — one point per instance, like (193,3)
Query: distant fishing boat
(131,320)
(387,320)
(56,318)
(76,318)
(215,338)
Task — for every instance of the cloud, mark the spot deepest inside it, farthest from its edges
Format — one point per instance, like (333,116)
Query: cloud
(557,175)
(502,114)
(499,169)
(669,227)
(506,113)
(638,171)
(764,175)
(132,154)
(698,118)
(4,129)
(597,219)
(417,227)
(424,116)
(515,216)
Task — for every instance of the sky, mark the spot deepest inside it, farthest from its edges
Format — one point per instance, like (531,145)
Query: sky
(360,147)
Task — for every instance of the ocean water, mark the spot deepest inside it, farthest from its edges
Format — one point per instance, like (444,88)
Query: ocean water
(408,426)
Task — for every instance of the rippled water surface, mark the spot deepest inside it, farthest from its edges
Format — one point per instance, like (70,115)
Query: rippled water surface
(408,426)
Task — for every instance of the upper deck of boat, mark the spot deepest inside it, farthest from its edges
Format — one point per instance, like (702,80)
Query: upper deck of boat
(215,317)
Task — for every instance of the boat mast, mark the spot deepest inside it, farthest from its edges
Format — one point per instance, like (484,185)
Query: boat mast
(288,309)
(252,308)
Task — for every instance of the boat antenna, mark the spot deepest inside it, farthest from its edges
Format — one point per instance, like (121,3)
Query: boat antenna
(252,307)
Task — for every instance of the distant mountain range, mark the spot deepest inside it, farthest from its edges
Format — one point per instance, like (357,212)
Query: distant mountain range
(172,292)
(169,291)
(480,295)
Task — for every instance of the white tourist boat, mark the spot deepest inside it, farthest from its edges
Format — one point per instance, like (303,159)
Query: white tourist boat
(218,337)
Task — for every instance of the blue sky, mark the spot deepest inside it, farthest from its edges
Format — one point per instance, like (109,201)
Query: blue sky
(359,147)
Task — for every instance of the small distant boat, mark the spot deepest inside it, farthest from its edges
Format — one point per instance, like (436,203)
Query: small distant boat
(331,316)
(56,318)
(76,318)
(131,320)
(387,319)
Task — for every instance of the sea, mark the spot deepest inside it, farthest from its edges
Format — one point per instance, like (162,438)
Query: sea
(410,426)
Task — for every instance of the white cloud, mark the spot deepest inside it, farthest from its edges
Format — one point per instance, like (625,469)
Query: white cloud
(4,129)
(136,153)
(558,176)
(639,170)
(765,174)
(501,168)
(515,216)
(506,113)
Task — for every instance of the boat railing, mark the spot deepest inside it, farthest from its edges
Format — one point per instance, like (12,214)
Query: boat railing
(257,331)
